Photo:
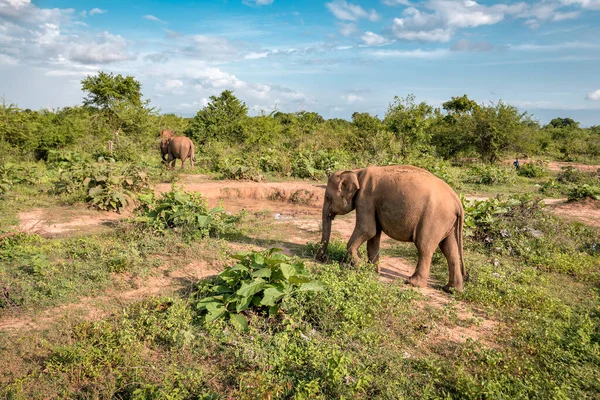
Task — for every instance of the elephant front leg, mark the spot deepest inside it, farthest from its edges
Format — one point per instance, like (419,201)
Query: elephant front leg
(359,236)
(373,249)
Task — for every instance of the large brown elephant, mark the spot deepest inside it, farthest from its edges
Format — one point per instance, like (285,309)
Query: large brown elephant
(408,204)
(176,147)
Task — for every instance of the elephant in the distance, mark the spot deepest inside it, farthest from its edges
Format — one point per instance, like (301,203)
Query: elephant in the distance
(408,204)
(176,147)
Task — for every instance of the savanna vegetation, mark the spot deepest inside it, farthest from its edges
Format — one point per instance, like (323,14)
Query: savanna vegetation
(270,325)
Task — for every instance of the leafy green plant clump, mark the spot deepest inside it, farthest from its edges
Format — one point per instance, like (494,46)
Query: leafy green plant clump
(584,191)
(187,212)
(260,281)
(532,170)
(489,175)
(487,219)
(112,189)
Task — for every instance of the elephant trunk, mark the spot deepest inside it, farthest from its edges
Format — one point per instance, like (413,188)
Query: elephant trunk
(326,225)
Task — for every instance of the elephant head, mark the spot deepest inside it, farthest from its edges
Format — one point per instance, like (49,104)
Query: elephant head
(339,200)
(165,138)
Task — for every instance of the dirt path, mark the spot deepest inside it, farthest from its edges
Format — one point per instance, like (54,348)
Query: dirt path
(94,308)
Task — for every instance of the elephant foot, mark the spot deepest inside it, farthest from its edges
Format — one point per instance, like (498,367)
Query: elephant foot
(448,288)
(417,281)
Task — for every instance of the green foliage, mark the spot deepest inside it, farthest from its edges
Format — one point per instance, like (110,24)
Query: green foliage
(490,175)
(532,170)
(563,123)
(260,281)
(106,90)
(109,187)
(571,175)
(484,219)
(112,188)
(316,164)
(221,119)
(409,122)
(238,169)
(184,212)
(14,174)
(584,191)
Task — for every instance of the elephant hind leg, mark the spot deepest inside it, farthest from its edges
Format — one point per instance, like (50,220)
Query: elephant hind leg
(449,247)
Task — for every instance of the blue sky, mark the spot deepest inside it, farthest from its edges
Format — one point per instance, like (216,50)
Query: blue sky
(334,57)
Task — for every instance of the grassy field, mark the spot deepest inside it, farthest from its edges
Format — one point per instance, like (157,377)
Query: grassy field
(100,307)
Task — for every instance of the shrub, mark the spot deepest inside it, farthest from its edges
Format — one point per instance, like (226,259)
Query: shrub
(187,212)
(112,188)
(239,169)
(532,170)
(486,220)
(489,175)
(261,281)
(572,175)
(584,191)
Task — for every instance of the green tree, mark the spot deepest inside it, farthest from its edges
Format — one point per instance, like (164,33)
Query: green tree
(221,119)
(458,106)
(118,101)
(410,122)
(106,90)
(563,123)
(494,128)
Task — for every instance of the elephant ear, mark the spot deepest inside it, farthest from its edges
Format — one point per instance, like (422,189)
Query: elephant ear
(348,185)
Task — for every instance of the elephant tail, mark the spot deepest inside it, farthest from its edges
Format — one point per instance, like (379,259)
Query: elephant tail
(459,239)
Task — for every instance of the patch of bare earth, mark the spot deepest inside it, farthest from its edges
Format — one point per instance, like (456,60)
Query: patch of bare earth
(586,211)
(165,282)
(60,221)
(557,166)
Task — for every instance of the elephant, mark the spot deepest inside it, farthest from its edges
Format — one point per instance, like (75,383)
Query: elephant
(176,147)
(407,203)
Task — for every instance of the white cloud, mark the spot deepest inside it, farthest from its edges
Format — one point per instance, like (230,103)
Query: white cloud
(18,3)
(257,3)
(217,49)
(556,46)
(418,53)
(345,11)
(95,11)
(471,46)
(174,86)
(152,18)
(587,4)
(216,78)
(352,98)
(105,48)
(256,56)
(594,96)
(373,39)
(397,3)
(348,29)
(44,38)
(442,18)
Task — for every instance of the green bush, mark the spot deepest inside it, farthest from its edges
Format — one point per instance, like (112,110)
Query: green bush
(261,281)
(584,191)
(113,187)
(238,169)
(183,211)
(571,174)
(532,170)
(490,175)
